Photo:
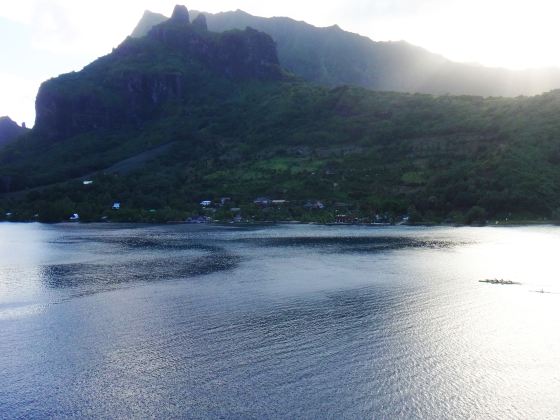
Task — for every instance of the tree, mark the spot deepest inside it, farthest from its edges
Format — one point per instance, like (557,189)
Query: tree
(476,215)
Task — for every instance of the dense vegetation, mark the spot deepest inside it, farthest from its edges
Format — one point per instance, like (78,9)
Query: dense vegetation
(359,153)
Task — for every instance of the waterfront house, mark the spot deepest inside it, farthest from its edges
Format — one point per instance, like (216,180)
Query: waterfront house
(343,219)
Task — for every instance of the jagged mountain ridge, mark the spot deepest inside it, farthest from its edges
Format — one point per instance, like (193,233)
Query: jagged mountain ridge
(333,57)
(10,131)
(169,65)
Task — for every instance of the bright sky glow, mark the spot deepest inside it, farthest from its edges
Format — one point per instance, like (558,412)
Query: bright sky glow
(40,39)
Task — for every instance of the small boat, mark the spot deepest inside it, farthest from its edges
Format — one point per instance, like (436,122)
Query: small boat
(542,291)
(498,281)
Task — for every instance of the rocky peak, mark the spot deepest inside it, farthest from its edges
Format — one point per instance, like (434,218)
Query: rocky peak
(200,23)
(148,21)
(7,121)
(180,15)
(236,54)
(9,130)
(144,78)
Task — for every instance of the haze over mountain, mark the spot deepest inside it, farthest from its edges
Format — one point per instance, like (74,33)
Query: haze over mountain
(333,57)
(185,114)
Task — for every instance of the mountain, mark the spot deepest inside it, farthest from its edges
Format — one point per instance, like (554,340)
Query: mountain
(147,22)
(9,131)
(333,57)
(184,115)
(130,85)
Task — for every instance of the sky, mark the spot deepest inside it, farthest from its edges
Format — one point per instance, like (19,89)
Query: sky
(40,39)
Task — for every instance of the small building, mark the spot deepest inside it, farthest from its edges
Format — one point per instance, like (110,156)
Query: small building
(116,205)
(314,205)
(88,182)
(262,201)
(279,202)
(199,220)
(343,219)
(75,217)
(206,203)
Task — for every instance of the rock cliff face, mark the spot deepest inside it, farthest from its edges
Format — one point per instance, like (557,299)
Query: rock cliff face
(180,15)
(9,131)
(236,54)
(143,78)
(200,23)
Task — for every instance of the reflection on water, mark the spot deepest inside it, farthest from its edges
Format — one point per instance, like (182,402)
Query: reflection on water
(278,321)
(337,244)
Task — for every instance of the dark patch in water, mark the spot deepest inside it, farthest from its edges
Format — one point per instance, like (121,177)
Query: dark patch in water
(75,275)
(352,244)
(156,242)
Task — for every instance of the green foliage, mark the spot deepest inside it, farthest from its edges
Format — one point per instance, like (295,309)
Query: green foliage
(367,153)
(476,215)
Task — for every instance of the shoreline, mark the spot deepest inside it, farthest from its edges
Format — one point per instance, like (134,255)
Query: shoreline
(273,223)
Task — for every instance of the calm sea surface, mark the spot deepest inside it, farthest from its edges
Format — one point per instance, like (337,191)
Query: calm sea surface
(278,322)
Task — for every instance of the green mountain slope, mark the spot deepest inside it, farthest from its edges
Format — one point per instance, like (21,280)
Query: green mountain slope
(184,115)
(333,57)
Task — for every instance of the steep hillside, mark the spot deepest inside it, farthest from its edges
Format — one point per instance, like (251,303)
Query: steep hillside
(184,115)
(333,57)
(141,80)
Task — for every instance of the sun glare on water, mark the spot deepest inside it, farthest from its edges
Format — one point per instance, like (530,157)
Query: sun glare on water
(528,256)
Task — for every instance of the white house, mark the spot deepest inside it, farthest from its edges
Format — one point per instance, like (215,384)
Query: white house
(75,217)
(116,205)
(88,182)
(205,203)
